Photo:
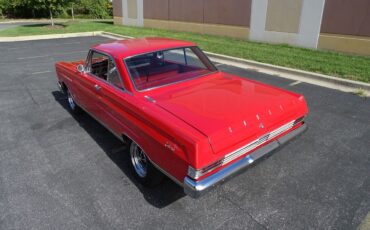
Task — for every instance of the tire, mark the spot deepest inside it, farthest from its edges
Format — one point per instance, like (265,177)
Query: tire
(144,170)
(72,105)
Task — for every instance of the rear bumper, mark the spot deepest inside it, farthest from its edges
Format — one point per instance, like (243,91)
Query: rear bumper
(196,189)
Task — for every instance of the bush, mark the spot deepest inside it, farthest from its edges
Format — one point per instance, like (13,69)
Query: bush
(5,6)
(95,9)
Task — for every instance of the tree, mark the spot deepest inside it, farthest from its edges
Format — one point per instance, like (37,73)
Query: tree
(7,6)
(49,8)
(49,5)
(3,8)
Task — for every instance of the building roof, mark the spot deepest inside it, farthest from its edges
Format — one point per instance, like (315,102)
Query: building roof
(131,47)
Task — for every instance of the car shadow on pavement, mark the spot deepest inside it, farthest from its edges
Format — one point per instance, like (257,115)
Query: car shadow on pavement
(160,196)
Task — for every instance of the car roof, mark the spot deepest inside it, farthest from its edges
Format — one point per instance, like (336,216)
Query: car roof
(131,47)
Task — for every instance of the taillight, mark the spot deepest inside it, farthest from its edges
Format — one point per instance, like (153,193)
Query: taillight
(299,120)
(197,173)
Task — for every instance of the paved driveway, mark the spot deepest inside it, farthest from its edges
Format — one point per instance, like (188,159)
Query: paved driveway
(4,26)
(63,172)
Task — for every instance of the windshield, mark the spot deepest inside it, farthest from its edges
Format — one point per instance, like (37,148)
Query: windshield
(152,70)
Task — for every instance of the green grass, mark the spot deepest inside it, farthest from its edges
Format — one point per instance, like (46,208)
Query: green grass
(331,63)
(360,93)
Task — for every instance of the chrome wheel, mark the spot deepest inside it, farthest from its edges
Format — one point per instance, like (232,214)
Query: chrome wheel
(71,102)
(139,160)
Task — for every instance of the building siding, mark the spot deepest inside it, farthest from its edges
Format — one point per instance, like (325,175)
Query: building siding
(339,25)
(156,9)
(231,12)
(348,17)
(186,10)
(117,8)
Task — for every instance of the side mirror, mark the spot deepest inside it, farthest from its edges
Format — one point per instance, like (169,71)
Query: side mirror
(80,68)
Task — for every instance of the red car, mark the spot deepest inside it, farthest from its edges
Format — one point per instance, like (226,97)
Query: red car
(180,114)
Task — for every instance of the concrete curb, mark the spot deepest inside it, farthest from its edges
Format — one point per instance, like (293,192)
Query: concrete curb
(46,20)
(279,71)
(49,36)
(113,35)
(65,35)
(32,21)
(290,71)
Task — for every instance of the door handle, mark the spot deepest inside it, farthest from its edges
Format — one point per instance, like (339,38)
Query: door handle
(97,87)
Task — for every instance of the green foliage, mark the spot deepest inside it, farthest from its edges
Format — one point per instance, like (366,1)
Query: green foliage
(5,6)
(42,8)
(2,8)
(97,9)
(50,6)
(45,4)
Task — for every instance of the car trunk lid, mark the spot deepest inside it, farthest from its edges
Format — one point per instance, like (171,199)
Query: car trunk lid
(228,109)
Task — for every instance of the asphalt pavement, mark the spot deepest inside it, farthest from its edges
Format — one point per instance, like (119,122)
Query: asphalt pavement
(59,171)
(6,25)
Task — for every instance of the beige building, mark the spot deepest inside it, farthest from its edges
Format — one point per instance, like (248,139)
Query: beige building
(340,25)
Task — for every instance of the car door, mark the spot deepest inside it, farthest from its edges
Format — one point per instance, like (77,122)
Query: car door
(85,87)
(113,100)
(107,94)
(89,82)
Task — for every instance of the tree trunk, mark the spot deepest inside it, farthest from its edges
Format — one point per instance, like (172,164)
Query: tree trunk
(51,18)
(73,15)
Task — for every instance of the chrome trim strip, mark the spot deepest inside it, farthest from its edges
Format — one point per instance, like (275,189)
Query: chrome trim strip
(150,99)
(60,87)
(245,149)
(196,189)
(254,144)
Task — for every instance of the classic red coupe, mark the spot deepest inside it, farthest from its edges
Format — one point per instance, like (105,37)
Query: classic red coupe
(179,113)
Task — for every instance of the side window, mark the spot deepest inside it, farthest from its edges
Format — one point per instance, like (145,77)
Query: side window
(113,75)
(99,65)
(193,60)
(104,67)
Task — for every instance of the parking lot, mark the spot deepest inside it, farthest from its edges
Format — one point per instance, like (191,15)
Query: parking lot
(58,171)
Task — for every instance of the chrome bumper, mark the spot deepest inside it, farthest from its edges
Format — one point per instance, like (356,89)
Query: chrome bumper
(196,189)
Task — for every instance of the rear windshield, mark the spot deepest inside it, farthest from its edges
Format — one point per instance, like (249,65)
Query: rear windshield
(156,69)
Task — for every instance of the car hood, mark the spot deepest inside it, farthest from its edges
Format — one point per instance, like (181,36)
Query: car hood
(229,109)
